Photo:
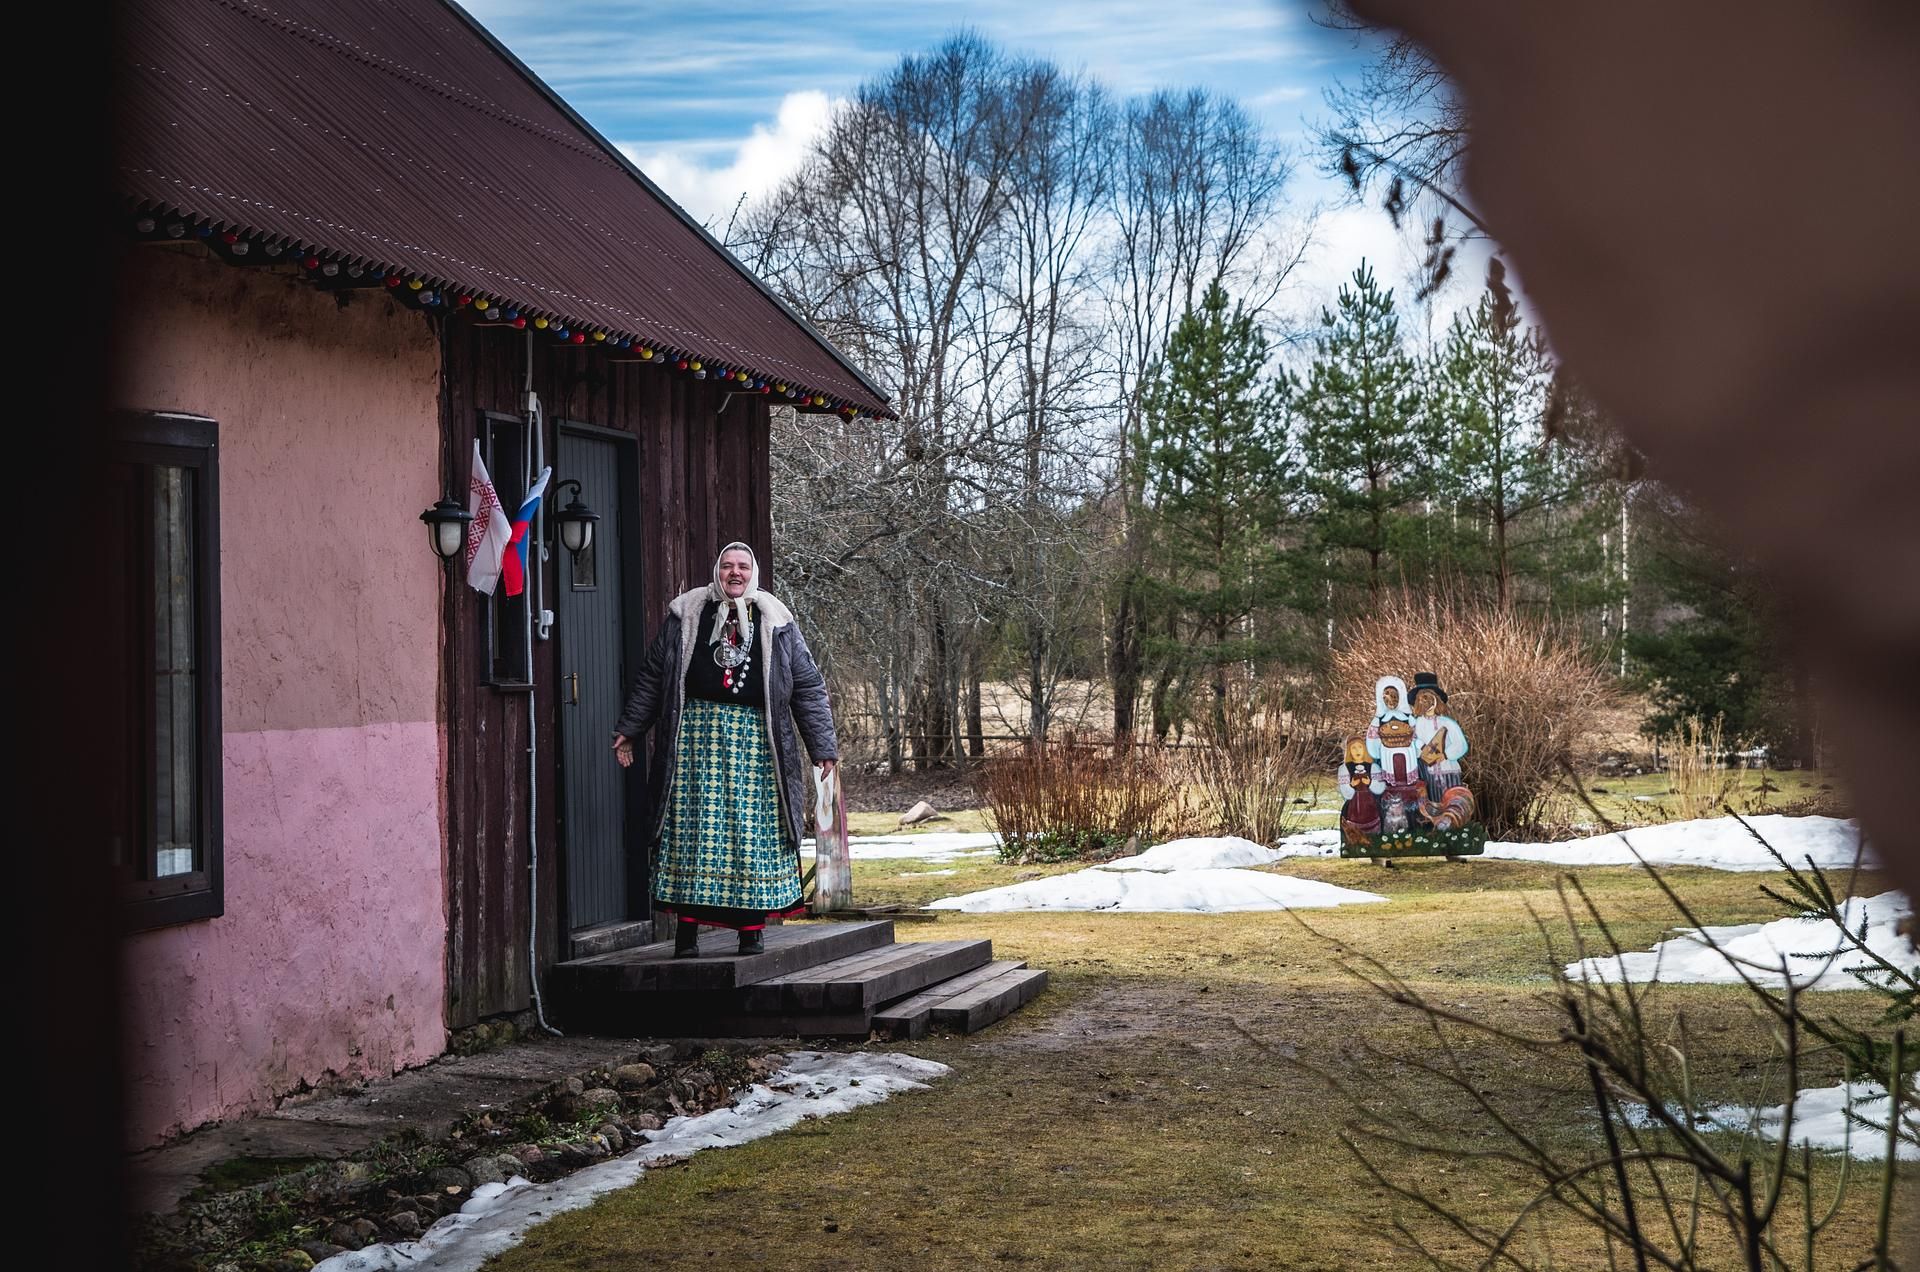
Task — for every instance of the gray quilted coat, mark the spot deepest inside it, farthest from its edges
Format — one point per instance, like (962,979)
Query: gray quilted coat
(797,707)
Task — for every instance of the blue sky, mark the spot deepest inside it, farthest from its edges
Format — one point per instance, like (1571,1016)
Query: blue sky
(715,102)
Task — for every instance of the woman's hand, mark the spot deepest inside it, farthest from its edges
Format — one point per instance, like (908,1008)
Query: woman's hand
(623,750)
(827,767)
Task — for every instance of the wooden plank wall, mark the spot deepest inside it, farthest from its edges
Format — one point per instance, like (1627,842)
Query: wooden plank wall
(703,480)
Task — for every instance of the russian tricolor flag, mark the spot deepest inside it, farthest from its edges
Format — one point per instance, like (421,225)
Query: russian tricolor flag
(513,567)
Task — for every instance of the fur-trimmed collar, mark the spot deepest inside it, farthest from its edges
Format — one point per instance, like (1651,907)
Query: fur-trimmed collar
(688,605)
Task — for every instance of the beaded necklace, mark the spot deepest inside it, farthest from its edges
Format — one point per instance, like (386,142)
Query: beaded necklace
(733,653)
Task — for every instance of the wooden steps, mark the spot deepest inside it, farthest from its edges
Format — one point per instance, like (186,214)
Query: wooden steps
(967,1003)
(816,980)
(789,947)
(864,981)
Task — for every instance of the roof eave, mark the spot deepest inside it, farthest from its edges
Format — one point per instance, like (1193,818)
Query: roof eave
(633,170)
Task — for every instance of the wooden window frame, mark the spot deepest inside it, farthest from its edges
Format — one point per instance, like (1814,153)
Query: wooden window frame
(192,442)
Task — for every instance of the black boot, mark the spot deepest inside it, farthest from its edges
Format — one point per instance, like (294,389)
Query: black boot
(686,939)
(751,942)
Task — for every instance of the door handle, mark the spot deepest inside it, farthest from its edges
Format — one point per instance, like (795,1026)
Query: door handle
(573,689)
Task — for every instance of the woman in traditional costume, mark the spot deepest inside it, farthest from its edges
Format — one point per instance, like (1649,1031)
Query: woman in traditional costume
(731,692)
(1390,743)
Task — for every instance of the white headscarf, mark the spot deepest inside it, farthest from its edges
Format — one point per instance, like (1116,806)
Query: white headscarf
(1382,710)
(741,602)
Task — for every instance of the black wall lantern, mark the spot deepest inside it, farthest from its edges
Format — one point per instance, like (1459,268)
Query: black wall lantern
(447,528)
(576,521)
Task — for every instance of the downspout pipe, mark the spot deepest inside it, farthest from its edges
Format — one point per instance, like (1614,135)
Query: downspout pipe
(537,556)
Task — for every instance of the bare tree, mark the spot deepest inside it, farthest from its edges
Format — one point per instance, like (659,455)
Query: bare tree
(1198,194)
(1062,189)
(1400,130)
(1007,249)
(894,236)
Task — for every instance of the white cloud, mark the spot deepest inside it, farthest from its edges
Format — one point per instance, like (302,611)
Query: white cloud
(1346,233)
(709,178)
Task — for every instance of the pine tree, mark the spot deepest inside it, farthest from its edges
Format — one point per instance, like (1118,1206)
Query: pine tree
(1515,500)
(1364,447)
(1214,481)
(1718,653)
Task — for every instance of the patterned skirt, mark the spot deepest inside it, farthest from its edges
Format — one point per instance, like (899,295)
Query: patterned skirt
(721,848)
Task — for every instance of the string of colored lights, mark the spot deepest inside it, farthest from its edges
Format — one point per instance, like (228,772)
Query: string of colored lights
(332,269)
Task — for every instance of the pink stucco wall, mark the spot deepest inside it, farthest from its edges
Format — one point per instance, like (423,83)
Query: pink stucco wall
(330,957)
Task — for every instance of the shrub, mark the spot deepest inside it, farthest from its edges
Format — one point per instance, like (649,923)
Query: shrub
(1063,800)
(1523,690)
(1245,783)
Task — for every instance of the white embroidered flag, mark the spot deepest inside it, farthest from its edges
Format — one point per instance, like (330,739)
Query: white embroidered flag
(489,533)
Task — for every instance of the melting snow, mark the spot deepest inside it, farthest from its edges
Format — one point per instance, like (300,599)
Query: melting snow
(1719,843)
(1812,951)
(1195,891)
(812,1085)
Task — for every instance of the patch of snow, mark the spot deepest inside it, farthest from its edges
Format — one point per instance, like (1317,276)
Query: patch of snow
(1719,843)
(1219,853)
(1213,891)
(1227,852)
(1819,1119)
(1311,843)
(925,874)
(811,1085)
(1804,949)
(938,845)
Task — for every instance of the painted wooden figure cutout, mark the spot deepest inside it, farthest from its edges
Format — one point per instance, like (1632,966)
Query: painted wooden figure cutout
(1390,740)
(1416,804)
(1441,740)
(1360,788)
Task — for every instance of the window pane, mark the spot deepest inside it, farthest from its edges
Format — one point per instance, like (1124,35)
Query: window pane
(176,751)
(507,616)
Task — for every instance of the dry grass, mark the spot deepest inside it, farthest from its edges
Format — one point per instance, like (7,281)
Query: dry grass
(1648,799)
(1525,694)
(1698,781)
(1159,1106)
(959,820)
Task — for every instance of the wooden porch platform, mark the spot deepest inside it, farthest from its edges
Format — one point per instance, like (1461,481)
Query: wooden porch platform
(818,980)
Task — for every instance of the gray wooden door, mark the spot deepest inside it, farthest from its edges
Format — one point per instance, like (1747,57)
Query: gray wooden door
(592,595)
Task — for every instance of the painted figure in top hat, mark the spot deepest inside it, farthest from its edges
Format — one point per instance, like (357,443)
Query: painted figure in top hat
(1439,738)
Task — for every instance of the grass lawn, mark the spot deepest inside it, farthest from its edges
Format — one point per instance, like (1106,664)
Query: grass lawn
(1164,1104)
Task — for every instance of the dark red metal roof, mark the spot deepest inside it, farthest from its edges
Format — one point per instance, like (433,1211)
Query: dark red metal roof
(398,134)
